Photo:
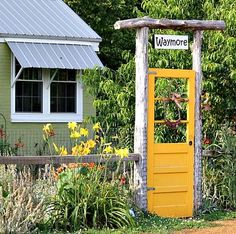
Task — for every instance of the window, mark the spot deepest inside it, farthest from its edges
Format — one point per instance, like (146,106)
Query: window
(45,95)
(63,91)
(29,90)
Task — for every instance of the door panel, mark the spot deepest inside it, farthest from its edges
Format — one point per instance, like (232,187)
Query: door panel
(170,165)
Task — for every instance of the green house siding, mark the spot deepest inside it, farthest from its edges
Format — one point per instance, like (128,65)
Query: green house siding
(29,133)
(5,74)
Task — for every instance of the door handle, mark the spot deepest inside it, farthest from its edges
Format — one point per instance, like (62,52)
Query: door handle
(150,188)
(190,142)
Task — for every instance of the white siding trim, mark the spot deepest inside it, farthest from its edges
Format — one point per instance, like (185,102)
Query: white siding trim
(43,118)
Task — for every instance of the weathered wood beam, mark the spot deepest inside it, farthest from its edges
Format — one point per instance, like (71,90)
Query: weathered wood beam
(196,55)
(171,24)
(42,160)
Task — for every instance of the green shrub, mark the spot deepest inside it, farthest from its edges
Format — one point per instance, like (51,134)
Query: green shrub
(86,198)
(219,172)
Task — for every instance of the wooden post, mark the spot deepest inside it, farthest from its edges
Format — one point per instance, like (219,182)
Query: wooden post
(140,133)
(197,42)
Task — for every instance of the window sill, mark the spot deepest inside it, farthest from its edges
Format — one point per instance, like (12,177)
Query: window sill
(43,118)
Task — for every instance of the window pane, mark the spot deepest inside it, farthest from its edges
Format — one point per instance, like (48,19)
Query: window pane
(36,89)
(28,96)
(53,104)
(19,88)
(71,75)
(70,104)
(26,88)
(26,104)
(63,75)
(63,97)
(61,104)
(36,104)
(17,67)
(71,89)
(61,90)
(18,104)
(28,73)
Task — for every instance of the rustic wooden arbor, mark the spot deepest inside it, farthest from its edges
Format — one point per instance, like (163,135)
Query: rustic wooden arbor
(142,26)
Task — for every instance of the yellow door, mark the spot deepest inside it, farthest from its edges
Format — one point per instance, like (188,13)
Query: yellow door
(170,143)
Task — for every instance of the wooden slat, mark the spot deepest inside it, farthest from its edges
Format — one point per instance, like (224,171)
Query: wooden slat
(163,99)
(42,160)
(164,122)
(171,24)
(173,148)
(172,169)
(170,189)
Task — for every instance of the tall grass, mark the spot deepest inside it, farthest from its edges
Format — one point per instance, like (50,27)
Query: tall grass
(22,200)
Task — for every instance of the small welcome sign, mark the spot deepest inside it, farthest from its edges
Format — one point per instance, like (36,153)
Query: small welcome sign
(174,42)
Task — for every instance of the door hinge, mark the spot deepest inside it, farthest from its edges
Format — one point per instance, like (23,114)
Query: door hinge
(151,73)
(150,188)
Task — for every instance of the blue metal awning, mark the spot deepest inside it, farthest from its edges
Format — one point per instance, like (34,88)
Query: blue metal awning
(54,55)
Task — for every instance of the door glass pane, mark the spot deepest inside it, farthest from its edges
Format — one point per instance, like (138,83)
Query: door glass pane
(169,110)
(163,133)
(165,87)
(171,104)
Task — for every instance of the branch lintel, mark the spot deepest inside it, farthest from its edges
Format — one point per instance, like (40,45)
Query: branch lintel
(171,24)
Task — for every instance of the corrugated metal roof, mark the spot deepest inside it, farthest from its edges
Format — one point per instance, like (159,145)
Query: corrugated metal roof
(45,55)
(43,19)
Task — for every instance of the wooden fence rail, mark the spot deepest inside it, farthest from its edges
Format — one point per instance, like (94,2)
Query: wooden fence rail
(42,160)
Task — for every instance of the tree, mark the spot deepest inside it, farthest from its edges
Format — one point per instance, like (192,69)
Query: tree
(101,16)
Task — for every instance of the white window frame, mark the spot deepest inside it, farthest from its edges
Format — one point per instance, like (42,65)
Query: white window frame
(46,115)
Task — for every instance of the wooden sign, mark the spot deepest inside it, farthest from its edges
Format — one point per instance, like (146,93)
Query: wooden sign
(173,42)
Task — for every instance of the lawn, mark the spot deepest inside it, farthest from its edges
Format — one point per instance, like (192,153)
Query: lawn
(154,224)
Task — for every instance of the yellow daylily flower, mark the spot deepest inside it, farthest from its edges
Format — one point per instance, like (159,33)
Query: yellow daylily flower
(108,150)
(91,143)
(86,151)
(77,150)
(72,125)
(122,152)
(75,135)
(74,150)
(84,132)
(96,126)
(47,128)
(63,151)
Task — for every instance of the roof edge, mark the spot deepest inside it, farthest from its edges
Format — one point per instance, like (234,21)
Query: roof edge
(6,35)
